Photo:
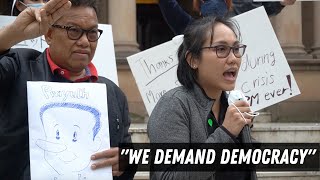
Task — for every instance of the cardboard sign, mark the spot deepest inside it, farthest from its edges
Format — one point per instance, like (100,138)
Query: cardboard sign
(68,122)
(264,77)
(104,58)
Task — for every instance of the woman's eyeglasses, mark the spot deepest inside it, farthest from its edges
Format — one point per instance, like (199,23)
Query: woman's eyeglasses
(223,51)
(75,33)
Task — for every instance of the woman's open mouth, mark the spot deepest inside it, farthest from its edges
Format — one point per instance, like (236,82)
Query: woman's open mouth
(230,74)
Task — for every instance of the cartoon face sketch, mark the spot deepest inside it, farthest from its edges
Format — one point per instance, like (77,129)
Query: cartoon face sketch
(71,135)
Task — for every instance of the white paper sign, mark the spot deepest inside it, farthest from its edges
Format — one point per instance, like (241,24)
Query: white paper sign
(155,71)
(265,76)
(104,59)
(68,122)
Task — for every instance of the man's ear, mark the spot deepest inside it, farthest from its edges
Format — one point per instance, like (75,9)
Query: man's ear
(20,6)
(48,36)
(192,61)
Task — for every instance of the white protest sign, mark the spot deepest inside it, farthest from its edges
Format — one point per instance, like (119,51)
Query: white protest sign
(155,71)
(264,77)
(104,59)
(68,122)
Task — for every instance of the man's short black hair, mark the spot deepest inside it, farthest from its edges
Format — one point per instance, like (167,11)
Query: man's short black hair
(85,3)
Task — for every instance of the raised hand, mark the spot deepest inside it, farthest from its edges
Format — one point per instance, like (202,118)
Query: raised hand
(33,22)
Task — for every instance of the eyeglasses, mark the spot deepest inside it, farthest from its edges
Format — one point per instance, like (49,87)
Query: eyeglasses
(223,51)
(75,33)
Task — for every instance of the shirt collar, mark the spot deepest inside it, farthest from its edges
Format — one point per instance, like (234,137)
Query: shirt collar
(91,71)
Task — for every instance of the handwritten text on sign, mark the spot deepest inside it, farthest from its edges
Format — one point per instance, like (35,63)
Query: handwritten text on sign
(155,71)
(264,76)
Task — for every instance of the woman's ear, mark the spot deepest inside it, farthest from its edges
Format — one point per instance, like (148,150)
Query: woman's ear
(192,61)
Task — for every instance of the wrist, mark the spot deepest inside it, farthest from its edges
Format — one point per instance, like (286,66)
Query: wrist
(9,37)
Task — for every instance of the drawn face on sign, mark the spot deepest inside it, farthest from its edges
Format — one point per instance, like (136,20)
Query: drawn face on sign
(71,139)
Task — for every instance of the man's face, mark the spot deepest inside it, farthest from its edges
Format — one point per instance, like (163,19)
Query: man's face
(73,55)
(69,140)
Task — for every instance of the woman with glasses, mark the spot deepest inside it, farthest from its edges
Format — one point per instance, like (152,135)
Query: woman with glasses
(198,111)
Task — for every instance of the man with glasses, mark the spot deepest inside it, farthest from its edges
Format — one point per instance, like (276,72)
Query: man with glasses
(71,31)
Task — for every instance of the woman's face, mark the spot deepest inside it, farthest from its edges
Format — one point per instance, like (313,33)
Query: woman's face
(216,74)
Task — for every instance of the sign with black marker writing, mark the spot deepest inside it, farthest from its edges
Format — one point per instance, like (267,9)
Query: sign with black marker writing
(155,71)
(104,59)
(264,77)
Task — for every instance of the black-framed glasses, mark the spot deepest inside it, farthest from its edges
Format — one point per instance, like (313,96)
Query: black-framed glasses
(223,51)
(75,33)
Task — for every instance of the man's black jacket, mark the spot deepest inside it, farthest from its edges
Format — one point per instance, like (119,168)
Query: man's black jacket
(17,66)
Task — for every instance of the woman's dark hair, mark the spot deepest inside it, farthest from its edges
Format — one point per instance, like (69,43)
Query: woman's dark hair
(85,3)
(195,36)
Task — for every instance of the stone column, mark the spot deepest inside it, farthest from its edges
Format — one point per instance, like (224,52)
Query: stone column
(122,17)
(288,27)
(316,31)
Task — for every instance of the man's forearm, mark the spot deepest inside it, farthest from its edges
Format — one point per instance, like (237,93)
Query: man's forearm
(8,38)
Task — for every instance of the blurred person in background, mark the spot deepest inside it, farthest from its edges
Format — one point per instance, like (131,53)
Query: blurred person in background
(178,19)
